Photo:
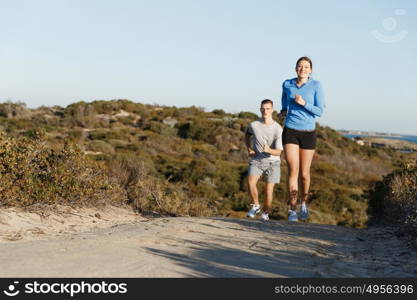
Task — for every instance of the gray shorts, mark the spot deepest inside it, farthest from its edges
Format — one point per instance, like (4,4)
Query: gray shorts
(271,170)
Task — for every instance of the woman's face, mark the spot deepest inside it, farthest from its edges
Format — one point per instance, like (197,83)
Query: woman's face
(303,69)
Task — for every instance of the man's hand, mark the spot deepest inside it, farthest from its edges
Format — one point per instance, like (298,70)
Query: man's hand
(299,100)
(251,152)
(275,152)
(267,149)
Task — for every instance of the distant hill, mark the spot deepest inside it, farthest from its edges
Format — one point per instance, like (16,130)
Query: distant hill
(372,133)
(185,161)
(405,143)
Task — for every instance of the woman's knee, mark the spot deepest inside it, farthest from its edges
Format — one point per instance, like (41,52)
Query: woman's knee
(305,176)
(293,171)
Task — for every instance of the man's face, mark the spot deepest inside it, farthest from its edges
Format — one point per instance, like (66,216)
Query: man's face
(266,110)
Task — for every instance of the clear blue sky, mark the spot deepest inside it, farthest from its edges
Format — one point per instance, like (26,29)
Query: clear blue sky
(227,54)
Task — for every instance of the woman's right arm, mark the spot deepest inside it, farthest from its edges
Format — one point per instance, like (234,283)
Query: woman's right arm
(318,106)
(284,101)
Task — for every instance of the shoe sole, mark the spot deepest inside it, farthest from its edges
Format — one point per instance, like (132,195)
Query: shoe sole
(256,213)
(264,219)
(293,220)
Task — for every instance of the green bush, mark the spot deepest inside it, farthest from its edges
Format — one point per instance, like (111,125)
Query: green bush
(80,114)
(32,173)
(11,109)
(219,112)
(100,146)
(118,144)
(160,128)
(149,194)
(394,198)
(248,115)
(323,148)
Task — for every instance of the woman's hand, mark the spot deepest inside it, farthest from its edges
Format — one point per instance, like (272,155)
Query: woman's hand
(282,115)
(299,100)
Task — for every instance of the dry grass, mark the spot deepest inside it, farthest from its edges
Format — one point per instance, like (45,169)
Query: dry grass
(149,194)
(394,199)
(34,173)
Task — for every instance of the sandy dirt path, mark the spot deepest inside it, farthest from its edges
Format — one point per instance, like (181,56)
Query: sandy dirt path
(208,247)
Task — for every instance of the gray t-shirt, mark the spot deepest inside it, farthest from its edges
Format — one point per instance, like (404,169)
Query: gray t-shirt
(262,134)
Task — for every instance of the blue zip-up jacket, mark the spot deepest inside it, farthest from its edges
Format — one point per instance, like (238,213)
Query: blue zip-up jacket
(302,117)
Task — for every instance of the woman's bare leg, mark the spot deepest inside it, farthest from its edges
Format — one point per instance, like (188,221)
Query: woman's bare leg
(292,156)
(306,157)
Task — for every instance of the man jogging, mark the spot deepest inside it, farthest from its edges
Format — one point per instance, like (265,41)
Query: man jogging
(264,144)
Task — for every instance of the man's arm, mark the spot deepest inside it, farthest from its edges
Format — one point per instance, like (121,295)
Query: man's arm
(248,144)
(275,152)
(277,144)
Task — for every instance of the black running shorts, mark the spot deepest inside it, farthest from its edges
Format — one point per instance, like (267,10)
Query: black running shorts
(305,139)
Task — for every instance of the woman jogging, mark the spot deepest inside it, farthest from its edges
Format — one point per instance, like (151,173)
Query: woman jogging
(302,101)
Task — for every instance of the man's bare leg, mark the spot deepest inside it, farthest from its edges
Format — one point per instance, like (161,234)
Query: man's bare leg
(253,189)
(269,191)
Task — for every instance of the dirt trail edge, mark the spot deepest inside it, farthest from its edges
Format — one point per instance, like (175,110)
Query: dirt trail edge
(211,247)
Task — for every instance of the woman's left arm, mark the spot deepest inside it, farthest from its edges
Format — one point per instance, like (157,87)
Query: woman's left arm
(318,106)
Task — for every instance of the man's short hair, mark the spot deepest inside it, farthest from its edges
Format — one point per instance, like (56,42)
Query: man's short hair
(266,101)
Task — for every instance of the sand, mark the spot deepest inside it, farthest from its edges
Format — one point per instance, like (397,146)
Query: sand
(115,242)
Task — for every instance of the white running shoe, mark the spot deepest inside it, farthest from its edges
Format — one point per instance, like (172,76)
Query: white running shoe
(304,212)
(255,209)
(292,216)
(265,216)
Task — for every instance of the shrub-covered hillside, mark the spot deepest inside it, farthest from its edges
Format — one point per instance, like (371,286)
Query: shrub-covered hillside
(179,161)
(393,200)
